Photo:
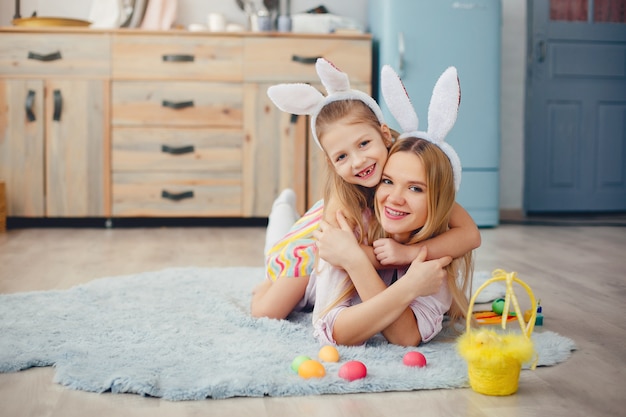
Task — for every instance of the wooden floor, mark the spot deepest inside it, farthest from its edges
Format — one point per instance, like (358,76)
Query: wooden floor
(578,272)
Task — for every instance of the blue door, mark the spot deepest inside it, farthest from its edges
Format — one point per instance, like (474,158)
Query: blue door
(575,131)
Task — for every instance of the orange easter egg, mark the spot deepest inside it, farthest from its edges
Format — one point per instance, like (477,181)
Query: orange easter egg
(329,353)
(311,369)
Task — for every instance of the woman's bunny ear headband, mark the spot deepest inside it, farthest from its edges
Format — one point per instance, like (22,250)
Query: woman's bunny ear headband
(303,99)
(442,112)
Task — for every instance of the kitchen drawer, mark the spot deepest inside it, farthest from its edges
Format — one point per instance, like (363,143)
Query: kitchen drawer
(177,194)
(293,59)
(182,103)
(170,149)
(52,54)
(216,58)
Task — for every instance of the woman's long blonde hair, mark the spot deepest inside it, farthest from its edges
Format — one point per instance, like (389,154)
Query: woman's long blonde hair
(441,198)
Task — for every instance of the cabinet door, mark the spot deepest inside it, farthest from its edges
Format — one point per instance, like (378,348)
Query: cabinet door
(22,146)
(77,151)
(274,153)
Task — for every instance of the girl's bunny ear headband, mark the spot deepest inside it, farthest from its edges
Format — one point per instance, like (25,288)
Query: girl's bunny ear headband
(303,99)
(442,112)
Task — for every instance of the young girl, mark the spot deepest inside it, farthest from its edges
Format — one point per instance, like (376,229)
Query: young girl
(348,125)
(413,203)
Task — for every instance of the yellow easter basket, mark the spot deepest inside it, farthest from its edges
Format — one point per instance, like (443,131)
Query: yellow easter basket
(494,359)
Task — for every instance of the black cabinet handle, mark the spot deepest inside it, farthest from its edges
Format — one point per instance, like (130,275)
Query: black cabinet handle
(176,196)
(30,103)
(177,105)
(178,58)
(58,105)
(305,60)
(293,119)
(45,58)
(177,151)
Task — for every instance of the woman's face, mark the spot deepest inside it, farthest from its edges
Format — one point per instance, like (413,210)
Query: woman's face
(357,151)
(402,197)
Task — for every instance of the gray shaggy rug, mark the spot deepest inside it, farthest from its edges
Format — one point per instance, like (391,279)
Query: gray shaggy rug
(186,334)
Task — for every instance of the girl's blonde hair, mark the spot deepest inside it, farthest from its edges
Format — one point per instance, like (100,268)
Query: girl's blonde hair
(352,198)
(441,198)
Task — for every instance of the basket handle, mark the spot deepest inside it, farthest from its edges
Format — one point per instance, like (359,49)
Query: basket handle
(509,277)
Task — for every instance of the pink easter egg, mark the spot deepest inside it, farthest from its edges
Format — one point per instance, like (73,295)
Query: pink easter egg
(353,370)
(414,359)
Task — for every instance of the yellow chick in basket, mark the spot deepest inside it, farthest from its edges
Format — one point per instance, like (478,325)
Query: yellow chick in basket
(489,346)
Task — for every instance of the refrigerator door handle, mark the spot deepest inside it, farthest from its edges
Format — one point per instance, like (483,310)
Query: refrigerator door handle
(401,50)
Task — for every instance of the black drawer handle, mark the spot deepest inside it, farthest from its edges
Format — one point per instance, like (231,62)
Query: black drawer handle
(45,58)
(177,151)
(304,59)
(178,58)
(58,105)
(176,196)
(177,105)
(30,103)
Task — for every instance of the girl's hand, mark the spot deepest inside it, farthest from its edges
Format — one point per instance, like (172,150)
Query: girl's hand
(427,277)
(390,252)
(336,246)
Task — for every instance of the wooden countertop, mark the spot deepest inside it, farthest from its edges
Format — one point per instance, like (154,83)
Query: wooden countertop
(180,32)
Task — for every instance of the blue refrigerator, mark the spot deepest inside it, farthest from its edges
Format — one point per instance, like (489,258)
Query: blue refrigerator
(420,39)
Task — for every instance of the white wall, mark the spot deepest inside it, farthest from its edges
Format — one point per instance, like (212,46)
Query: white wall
(512,104)
(513,63)
(189,11)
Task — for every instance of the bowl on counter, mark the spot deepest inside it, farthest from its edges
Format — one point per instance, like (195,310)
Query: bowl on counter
(49,21)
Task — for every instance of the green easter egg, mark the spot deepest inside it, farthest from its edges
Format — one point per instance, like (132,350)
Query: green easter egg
(295,364)
(497,306)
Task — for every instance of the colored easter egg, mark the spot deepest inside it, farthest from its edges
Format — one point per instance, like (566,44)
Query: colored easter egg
(329,353)
(353,370)
(311,369)
(497,306)
(295,364)
(414,359)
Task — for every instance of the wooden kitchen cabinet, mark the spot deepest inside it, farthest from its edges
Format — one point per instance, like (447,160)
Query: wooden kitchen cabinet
(177,126)
(54,125)
(281,150)
(160,123)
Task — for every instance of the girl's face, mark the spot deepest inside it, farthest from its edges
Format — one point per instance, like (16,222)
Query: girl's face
(357,151)
(402,197)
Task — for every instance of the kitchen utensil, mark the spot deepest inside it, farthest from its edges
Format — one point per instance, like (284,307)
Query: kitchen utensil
(49,21)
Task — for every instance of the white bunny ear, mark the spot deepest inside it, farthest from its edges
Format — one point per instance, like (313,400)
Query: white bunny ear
(444,105)
(333,79)
(301,99)
(442,112)
(398,100)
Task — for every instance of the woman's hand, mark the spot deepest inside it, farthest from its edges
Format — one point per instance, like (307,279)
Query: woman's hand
(337,246)
(427,277)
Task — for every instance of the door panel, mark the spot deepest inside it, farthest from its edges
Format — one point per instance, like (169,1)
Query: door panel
(575,146)
(22,146)
(75,148)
